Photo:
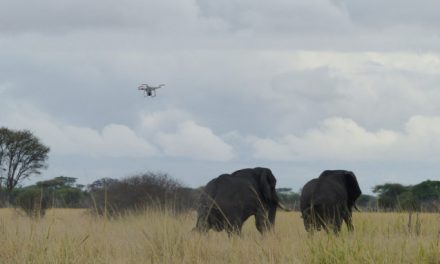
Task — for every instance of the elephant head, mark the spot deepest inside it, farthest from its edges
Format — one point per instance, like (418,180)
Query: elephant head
(267,184)
(269,195)
(353,189)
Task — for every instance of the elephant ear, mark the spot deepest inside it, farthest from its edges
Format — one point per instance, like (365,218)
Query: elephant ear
(267,184)
(352,185)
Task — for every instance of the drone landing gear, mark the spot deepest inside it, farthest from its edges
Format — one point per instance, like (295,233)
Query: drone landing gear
(150,93)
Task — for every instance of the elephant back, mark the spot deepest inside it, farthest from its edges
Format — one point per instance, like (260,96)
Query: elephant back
(335,187)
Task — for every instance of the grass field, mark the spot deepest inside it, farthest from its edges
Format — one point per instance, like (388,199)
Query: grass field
(74,236)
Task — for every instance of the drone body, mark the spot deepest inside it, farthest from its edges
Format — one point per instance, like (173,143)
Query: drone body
(149,90)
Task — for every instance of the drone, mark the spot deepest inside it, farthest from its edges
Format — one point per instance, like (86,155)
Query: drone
(149,90)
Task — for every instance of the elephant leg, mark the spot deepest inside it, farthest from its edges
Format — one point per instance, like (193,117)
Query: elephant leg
(320,218)
(233,230)
(336,220)
(329,224)
(271,215)
(201,225)
(232,223)
(262,222)
(310,221)
(348,221)
(324,224)
(307,221)
(337,226)
(319,221)
(213,219)
(233,227)
(326,217)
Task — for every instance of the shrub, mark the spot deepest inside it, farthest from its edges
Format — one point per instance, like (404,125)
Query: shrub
(149,190)
(288,198)
(33,201)
(68,197)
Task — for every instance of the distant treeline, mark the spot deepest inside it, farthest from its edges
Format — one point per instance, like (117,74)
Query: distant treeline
(291,200)
(59,192)
(424,196)
(107,196)
(113,197)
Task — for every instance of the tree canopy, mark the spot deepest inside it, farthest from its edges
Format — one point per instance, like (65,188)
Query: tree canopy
(422,196)
(21,155)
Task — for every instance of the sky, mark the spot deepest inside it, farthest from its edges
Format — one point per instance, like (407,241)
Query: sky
(296,86)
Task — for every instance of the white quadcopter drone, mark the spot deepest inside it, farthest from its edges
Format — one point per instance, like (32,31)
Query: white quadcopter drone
(149,90)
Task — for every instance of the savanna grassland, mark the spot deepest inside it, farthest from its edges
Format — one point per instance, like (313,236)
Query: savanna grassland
(74,236)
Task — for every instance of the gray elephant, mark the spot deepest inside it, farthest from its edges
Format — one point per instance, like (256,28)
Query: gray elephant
(228,200)
(328,200)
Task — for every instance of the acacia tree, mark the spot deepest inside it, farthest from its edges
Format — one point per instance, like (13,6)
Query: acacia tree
(390,194)
(21,155)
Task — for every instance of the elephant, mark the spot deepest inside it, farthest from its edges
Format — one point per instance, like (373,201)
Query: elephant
(328,200)
(230,199)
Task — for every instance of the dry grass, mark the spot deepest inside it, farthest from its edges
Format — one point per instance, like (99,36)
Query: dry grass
(73,236)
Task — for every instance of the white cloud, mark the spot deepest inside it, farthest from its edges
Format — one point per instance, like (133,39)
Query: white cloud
(377,90)
(165,121)
(192,140)
(343,139)
(114,140)
(178,134)
(170,132)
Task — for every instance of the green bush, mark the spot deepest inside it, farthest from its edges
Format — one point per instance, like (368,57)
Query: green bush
(113,197)
(33,201)
(68,197)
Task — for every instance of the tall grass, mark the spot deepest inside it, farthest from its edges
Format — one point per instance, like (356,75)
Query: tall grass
(74,236)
